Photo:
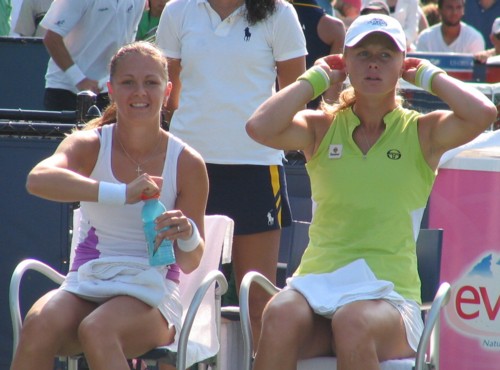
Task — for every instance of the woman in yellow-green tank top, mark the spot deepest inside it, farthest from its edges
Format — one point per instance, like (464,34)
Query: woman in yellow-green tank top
(372,164)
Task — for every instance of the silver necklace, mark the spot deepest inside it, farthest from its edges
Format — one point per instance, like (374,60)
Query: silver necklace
(139,169)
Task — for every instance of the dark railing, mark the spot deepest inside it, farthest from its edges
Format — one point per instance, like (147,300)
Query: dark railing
(21,122)
(38,115)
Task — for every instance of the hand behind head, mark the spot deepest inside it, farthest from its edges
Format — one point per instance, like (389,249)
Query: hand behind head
(334,65)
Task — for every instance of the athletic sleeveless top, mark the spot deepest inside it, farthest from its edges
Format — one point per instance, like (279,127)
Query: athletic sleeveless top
(107,230)
(369,207)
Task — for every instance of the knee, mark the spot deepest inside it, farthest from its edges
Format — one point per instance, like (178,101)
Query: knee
(93,333)
(284,320)
(34,325)
(38,334)
(350,328)
(272,319)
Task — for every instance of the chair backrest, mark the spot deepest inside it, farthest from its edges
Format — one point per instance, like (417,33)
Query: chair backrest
(299,238)
(429,247)
(218,242)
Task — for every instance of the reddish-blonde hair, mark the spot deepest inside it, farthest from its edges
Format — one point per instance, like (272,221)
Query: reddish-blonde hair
(140,47)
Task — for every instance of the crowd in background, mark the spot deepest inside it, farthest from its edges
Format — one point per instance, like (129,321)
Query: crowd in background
(476,17)
(430,25)
(81,38)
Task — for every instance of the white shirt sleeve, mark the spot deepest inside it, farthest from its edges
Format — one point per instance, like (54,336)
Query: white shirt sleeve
(25,25)
(477,43)
(167,34)
(63,15)
(288,38)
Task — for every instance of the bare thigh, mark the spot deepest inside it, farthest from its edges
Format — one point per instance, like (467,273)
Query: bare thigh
(291,331)
(54,319)
(137,326)
(375,322)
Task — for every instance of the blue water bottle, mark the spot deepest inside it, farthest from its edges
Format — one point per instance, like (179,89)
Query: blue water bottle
(164,254)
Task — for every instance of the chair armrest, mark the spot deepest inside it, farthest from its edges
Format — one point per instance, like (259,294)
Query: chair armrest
(221,288)
(15,283)
(431,328)
(249,278)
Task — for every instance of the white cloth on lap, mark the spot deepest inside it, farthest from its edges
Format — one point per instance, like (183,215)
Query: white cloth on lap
(111,276)
(327,292)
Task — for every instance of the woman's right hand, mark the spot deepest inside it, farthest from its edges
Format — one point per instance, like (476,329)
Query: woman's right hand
(144,184)
(335,67)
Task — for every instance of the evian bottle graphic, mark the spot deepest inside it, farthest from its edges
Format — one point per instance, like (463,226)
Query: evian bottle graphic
(474,308)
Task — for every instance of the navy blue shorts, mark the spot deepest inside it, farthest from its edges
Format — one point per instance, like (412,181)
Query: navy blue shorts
(254,196)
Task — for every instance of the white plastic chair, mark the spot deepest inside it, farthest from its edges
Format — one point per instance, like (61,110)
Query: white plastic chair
(428,247)
(200,295)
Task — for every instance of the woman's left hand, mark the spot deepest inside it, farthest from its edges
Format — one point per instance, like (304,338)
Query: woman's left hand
(179,226)
(410,67)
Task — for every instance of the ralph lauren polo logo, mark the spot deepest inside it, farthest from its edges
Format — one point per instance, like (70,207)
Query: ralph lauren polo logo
(247,34)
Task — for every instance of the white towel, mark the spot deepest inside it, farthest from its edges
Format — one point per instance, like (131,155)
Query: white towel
(488,139)
(325,293)
(111,276)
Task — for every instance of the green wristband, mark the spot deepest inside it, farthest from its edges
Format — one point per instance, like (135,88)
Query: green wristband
(318,78)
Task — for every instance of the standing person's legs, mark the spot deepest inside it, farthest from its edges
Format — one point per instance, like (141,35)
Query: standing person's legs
(256,252)
(255,198)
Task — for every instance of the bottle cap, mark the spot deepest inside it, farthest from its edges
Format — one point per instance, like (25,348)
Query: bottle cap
(146,197)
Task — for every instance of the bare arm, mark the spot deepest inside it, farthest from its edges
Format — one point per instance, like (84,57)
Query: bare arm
(332,32)
(174,70)
(64,176)
(61,56)
(191,200)
(280,122)
(471,112)
(289,70)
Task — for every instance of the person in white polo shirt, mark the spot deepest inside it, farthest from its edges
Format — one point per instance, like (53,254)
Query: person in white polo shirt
(224,59)
(30,16)
(81,38)
(451,35)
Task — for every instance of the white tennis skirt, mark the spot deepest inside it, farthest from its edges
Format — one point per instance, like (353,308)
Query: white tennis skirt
(169,306)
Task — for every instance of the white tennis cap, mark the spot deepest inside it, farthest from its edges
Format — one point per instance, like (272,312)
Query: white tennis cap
(364,25)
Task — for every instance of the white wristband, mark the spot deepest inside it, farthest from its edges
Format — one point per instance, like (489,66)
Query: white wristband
(193,241)
(74,74)
(425,74)
(112,194)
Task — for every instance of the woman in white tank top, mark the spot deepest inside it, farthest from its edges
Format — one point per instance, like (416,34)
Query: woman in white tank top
(108,167)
